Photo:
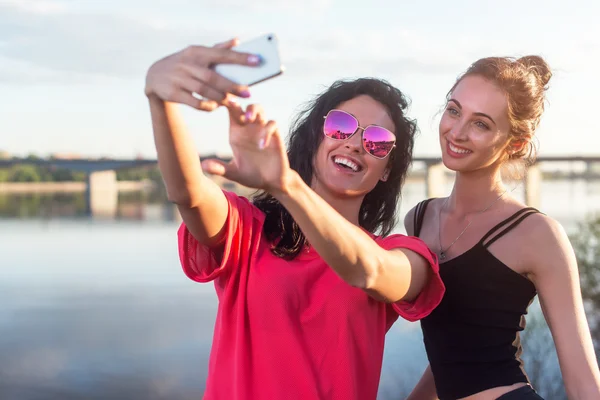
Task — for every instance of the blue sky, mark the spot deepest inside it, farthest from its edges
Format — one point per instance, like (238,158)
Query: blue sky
(72,71)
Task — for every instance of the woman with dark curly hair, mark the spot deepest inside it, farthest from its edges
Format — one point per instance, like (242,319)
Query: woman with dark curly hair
(308,278)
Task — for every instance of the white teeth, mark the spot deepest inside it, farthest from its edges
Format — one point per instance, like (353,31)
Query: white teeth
(457,150)
(346,162)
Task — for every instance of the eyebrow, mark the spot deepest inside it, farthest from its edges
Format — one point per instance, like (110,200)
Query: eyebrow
(477,113)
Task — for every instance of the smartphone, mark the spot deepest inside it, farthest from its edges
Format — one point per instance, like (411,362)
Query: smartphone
(267,47)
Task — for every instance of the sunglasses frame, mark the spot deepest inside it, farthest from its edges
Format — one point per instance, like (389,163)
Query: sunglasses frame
(362,134)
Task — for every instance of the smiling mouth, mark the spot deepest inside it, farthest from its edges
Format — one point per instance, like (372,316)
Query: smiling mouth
(347,164)
(458,149)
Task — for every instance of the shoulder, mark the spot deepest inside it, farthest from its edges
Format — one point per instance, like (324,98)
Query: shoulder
(544,230)
(409,218)
(243,207)
(548,243)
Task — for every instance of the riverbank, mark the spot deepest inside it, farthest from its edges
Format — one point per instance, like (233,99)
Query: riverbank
(69,187)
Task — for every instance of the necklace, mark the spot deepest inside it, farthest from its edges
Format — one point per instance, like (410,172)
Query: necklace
(442,254)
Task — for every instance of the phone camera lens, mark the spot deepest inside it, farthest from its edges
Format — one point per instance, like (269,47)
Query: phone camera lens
(270,38)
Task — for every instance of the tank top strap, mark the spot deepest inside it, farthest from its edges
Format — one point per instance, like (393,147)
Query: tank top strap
(501,228)
(419,215)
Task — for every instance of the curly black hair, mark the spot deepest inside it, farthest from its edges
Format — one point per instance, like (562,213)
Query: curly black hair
(378,212)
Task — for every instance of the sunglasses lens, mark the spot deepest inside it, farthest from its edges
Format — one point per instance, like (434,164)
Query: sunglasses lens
(339,125)
(378,141)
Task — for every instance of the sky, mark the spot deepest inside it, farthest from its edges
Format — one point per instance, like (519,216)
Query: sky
(72,71)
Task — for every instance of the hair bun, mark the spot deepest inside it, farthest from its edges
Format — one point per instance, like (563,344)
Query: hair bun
(537,66)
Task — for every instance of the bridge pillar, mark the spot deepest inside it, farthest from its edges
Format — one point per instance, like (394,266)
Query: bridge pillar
(533,183)
(171,213)
(102,194)
(589,168)
(435,180)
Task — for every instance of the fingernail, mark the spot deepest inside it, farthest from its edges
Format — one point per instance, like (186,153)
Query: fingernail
(261,143)
(245,93)
(254,59)
(248,115)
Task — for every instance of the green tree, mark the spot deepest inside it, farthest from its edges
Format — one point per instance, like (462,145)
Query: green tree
(4,174)
(24,173)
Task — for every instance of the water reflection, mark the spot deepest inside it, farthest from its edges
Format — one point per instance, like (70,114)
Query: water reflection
(109,344)
(96,309)
(131,205)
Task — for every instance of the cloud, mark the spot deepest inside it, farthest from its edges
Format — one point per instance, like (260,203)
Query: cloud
(48,41)
(303,7)
(65,46)
(374,52)
(19,72)
(35,6)
(306,7)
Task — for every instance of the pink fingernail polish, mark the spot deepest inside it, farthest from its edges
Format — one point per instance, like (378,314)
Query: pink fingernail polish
(245,94)
(248,115)
(254,59)
(261,143)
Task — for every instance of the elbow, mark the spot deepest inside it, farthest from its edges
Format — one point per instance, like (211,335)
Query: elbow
(186,193)
(371,285)
(388,280)
(181,198)
(370,280)
(361,278)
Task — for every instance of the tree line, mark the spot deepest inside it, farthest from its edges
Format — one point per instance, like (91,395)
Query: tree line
(47,173)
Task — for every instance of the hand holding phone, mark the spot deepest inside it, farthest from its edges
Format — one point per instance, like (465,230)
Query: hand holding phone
(203,77)
(270,66)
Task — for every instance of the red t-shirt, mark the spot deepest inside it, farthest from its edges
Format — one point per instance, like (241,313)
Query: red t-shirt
(293,329)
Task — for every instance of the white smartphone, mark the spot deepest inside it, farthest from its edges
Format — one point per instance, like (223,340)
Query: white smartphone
(267,47)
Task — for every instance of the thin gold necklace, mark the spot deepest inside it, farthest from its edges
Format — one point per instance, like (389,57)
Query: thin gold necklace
(442,253)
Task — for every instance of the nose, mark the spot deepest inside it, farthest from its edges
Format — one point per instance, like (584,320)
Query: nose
(458,132)
(354,144)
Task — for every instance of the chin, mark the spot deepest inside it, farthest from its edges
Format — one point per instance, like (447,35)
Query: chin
(339,189)
(466,164)
(452,164)
(347,191)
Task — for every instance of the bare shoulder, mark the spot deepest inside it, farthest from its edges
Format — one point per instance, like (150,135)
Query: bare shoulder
(542,229)
(548,243)
(409,219)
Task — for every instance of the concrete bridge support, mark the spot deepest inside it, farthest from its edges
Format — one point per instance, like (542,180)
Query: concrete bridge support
(436,180)
(171,213)
(533,183)
(102,194)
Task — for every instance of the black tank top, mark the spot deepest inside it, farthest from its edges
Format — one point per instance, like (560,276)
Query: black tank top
(472,338)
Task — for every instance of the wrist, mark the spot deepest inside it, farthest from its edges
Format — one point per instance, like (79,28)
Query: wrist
(288,184)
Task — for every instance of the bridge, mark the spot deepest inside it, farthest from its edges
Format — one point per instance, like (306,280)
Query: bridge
(111,164)
(102,192)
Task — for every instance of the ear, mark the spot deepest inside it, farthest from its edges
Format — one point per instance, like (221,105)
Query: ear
(516,145)
(386,174)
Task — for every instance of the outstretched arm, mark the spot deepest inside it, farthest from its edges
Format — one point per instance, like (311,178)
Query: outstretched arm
(260,161)
(172,80)
(389,275)
(555,274)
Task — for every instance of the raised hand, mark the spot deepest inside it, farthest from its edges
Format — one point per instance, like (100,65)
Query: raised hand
(259,157)
(176,77)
